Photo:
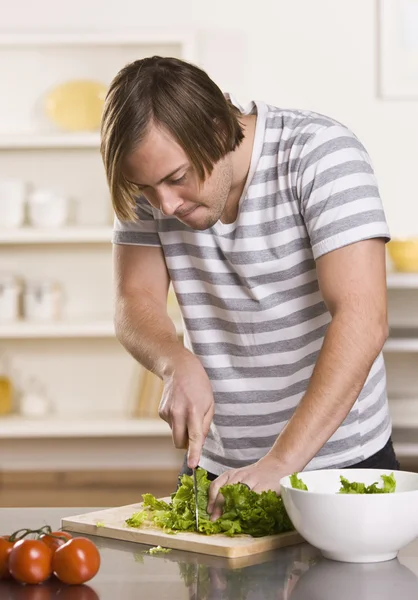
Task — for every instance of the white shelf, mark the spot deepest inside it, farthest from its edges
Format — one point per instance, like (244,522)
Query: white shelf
(401,345)
(22,141)
(186,38)
(402,280)
(61,235)
(83,426)
(64,329)
(57,329)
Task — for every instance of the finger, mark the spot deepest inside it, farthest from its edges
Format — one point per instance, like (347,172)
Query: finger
(195,438)
(220,501)
(179,430)
(263,488)
(163,412)
(207,420)
(218,508)
(215,499)
(245,481)
(240,476)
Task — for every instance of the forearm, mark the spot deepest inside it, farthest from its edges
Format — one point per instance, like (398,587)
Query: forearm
(350,347)
(146,331)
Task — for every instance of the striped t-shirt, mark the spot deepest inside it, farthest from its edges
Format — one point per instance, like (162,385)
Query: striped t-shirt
(248,291)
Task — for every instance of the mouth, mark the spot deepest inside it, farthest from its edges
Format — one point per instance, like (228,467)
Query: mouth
(186,214)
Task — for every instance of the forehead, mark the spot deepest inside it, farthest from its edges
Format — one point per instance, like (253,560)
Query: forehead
(157,155)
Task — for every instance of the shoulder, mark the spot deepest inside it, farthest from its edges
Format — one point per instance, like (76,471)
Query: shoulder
(304,129)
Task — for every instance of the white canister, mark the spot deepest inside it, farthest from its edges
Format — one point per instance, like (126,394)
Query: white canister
(12,203)
(10,289)
(34,402)
(33,405)
(42,300)
(47,209)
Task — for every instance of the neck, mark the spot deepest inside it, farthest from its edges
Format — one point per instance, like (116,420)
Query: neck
(241,160)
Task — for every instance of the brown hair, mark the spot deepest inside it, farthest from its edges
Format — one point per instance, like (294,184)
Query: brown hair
(176,95)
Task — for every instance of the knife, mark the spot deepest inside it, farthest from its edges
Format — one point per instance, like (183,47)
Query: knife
(195,499)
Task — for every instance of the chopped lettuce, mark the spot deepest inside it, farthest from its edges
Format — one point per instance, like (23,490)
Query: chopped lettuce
(297,483)
(244,511)
(389,486)
(153,503)
(348,487)
(389,483)
(137,519)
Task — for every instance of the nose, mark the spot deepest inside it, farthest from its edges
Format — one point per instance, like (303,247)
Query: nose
(169,202)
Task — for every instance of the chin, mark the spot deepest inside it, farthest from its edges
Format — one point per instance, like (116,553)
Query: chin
(202,223)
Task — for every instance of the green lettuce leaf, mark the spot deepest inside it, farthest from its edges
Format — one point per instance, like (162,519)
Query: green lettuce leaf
(151,502)
(354,487)
(348,487)
(389,483)
(137,519)
(389,486)
(244,511)
(297,483)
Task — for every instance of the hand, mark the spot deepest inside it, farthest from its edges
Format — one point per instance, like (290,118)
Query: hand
(187,406)
(263,475)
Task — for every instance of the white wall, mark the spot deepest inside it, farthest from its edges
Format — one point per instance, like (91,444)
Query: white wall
(315,54)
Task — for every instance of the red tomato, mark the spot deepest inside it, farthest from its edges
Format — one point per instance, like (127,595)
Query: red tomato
(54,542)
(5,549)
(30,561)
(77,561)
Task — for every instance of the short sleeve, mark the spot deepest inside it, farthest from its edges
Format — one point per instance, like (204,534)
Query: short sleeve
(338,192)
(142,232)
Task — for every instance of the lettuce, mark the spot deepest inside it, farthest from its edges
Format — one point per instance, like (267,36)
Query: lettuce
(137,519)
(244,511)
(297,483)
(389,486)
(348,487)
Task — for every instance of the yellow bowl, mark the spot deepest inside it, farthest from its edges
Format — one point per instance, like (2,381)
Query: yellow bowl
(76,105)
(404,254)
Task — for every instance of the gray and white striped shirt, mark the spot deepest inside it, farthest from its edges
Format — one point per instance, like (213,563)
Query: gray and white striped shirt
(249,294)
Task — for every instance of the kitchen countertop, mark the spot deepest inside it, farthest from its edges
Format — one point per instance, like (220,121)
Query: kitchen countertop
(297,572)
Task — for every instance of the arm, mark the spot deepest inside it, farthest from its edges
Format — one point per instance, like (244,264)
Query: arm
(144,328)
(142,324)
(353,284)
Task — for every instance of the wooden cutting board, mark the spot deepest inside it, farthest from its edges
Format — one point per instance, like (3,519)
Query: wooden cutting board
(111,525)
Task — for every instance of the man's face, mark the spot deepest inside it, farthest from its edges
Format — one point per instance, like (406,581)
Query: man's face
(163,173)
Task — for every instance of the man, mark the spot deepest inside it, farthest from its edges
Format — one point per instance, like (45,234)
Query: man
(269,225)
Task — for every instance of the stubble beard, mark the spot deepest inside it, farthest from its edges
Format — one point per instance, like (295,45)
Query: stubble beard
(218,198)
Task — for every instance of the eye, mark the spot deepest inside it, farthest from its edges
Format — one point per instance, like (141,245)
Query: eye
(179,180)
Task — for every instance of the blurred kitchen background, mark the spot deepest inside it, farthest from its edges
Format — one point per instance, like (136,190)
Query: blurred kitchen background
(78,417)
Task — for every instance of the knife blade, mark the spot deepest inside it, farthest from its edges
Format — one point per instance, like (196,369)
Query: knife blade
(195,499)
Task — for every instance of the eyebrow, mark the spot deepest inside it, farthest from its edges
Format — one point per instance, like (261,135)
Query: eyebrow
(165,177)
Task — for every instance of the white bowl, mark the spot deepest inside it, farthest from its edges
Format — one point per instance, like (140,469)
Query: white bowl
(354,528)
